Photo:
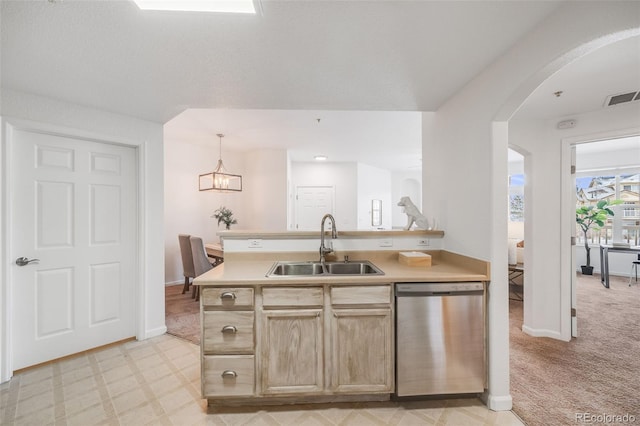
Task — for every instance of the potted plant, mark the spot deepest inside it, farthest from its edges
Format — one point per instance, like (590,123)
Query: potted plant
(595,217)
(224,215)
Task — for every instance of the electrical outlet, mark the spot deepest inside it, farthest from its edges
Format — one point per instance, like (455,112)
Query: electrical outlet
(386,242)
(423,243)
(255,243)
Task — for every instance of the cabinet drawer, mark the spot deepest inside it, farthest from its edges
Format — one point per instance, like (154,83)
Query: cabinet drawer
(228,375)
(292,296)
(361,295)
(228,332)
(230,297)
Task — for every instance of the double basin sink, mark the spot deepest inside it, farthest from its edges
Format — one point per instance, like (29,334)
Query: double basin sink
(315,268)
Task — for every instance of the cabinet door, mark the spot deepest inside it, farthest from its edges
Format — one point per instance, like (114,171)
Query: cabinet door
(292,351)
(362,350)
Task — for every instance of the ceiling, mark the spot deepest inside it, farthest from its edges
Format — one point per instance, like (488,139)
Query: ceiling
(586,83)
(264,80)
(390,140)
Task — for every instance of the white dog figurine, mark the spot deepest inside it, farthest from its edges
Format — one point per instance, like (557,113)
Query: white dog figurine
(413,214)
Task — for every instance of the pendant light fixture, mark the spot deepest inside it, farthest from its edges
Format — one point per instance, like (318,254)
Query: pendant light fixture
(219,179)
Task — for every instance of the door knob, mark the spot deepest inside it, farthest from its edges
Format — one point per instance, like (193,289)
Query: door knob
(23,261)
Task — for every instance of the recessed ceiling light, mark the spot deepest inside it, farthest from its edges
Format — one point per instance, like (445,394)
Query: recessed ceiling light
(320,158)
(228,6)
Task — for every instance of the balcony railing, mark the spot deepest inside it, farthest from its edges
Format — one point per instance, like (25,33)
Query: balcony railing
(630,234)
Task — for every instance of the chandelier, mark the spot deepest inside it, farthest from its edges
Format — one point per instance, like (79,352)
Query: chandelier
(219,179)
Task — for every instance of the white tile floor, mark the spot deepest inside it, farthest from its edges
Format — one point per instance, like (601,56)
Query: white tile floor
(157,382)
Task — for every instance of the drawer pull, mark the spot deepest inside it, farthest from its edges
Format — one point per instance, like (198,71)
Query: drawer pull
(229,374)
(228,295)
(229,329)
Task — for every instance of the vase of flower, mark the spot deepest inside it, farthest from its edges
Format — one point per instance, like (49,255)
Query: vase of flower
(224,215)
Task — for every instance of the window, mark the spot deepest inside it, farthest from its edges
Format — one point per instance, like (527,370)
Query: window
(591,189)
(516,198)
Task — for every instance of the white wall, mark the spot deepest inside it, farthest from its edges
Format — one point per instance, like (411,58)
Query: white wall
(266,190)
(374,183)
(342,176)
(104,125)
(261,205)
(188,210)
(469,135)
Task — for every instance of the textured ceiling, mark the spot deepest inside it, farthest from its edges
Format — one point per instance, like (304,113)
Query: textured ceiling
(319,55)
(263,80)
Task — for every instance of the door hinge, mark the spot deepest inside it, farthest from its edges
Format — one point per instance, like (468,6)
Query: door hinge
(573,241)
(573,169)
(573,313)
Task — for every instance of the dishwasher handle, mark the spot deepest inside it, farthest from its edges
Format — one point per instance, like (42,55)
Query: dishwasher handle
(439,289)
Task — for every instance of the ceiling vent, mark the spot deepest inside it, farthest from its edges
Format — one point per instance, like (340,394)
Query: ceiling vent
(622,98)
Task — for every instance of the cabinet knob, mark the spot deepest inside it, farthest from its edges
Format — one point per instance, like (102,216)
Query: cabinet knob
(229,329)
(228,295)
(229,374)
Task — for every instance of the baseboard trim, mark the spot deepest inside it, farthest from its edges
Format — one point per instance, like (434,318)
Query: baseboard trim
(174,283)
(155,332)
(542,333)
(497,403)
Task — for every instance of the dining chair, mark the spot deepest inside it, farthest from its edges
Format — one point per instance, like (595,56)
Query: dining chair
(201,262)
(187,260)
(634,268)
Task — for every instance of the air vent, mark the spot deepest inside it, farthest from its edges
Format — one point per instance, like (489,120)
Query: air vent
(622,98)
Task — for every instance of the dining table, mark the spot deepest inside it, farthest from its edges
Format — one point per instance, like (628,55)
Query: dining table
(215,252)
(604,259)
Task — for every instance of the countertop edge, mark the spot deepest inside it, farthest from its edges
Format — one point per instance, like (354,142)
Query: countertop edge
(281,235)
(447,267)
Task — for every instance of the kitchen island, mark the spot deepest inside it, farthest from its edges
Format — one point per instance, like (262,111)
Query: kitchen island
(293,339)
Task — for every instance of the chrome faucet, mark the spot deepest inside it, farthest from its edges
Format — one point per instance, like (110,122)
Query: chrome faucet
(334,234)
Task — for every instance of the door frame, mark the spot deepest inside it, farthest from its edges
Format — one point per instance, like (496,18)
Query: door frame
(568,328)
(7,127)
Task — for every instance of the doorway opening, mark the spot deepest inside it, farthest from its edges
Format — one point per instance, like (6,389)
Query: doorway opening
(609,170)
(515,231)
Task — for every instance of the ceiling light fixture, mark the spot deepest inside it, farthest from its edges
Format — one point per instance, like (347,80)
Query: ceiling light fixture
(223,6)
(320,158)
(219,179)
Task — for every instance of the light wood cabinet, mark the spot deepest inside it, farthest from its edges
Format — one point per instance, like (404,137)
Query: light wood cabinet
(292,351)
(228,375)
(361,339)
(227,342)
(306,343)
(362,352)
(227,332)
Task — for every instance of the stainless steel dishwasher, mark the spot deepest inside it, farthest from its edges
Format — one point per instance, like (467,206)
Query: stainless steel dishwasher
(440,338)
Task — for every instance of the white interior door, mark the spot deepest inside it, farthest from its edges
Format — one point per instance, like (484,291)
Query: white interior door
(73,206)
(313,202)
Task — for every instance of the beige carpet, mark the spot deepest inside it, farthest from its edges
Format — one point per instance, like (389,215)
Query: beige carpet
(596,373)
(182,314)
